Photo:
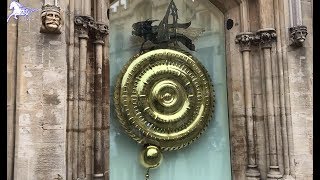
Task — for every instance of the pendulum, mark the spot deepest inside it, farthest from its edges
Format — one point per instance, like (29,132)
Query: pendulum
(164,100)
(164,97)
(150,157)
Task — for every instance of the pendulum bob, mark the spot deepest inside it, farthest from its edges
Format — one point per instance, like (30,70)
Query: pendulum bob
(151,157)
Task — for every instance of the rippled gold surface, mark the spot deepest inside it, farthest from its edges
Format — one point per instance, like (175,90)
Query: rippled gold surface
(164,97)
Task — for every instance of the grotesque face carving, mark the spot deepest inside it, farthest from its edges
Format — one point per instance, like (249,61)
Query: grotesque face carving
(301,36)
(51,19)
(298,35)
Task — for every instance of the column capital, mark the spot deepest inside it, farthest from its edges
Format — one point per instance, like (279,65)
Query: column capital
(265,37)
(298,35)
(100,30)
(83,24)
(245,39)
(87,26)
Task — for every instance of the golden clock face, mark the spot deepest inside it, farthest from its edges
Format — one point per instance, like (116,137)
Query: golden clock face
(165,98)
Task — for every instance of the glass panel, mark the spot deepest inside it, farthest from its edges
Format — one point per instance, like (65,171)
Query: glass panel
(209,156)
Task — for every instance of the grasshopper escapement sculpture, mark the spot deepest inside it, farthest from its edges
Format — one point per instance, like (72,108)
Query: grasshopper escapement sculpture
(165,33)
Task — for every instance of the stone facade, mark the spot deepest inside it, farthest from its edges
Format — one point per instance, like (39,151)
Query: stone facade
(58,91)
(38,85)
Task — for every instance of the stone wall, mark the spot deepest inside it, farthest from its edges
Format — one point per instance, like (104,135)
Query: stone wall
(41,88)
(238,141)
(300,62)
(41,75)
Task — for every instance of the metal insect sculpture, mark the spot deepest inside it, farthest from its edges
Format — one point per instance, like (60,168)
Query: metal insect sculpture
(164,33)
(19,10)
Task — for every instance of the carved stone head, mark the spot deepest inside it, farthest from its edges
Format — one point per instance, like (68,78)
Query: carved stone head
(298,35)
(51,19)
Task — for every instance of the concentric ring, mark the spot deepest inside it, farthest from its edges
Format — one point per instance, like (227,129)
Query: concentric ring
(164,97)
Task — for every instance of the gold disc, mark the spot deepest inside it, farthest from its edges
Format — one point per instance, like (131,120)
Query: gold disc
(164,97)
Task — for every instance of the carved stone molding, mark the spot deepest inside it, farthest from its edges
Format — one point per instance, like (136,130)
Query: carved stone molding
(274,173)
(98,176)
(84,21)
(298,35)
(265,37)
(252,172)
(51,19)
(86,27)
(100,31)
(83,24)
(245,40)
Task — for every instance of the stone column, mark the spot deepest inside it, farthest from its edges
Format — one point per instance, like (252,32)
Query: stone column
(98,138)
(70,96)
(100,32)
(98,44)
(281,56)
(244,40)
(83,37)
(295,12)
(83,23)
(106,92)
(266,37)
(287,104)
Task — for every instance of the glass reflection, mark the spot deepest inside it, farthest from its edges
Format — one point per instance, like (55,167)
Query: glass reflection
(209,156)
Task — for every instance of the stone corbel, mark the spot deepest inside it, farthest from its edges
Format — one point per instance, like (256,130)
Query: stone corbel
(265,37)
(51,19)
(298,35)
(245,40)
